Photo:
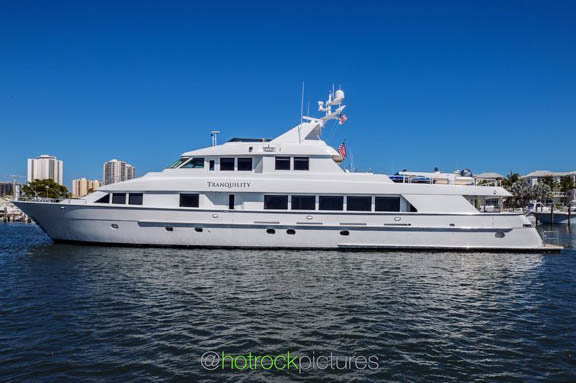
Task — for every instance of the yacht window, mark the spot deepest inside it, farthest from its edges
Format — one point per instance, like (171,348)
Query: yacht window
(359,203)
(105,199)
(303,202)
(245,164)
(282,163)
(331,203)
(177,163)
(119,198)
(387,204)
(189,200)
(211,165)
(279,202)
(301,163)
(194,163)
(226,163)
(231,202)
(135,198)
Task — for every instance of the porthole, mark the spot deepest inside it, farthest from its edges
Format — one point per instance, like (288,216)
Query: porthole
(499,235)
(344,232)
(397,219)
(114,226)
(270,231)
(169,228)
(198,229)
(290,231)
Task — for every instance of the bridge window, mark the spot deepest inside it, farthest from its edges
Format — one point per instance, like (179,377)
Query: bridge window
(303,202)
(194,163)
(387,204)
(189,200)
(245,164)
(135,198)
(226,164)
(282,163)
(119,198)
(359,203)
(105,199)
(278,202)
(301,163)
(177,163)
(331,202)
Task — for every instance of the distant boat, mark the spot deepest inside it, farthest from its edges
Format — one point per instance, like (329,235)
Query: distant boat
(560,217)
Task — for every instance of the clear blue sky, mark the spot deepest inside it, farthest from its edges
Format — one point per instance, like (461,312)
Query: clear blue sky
(487,85)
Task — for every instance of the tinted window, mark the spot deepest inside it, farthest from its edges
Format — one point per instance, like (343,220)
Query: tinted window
(119,198)
(245,164)
(282,163)
(189,200)
(387,204)
(211,164)
(195,163)
(135,198)
(105,199)
(226,163)
(177,163)
(303,202)
(331,202)
(359,203)
(276,202)
(301,163)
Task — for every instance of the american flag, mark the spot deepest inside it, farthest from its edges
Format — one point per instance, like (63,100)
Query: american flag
(342,150)
(342,119)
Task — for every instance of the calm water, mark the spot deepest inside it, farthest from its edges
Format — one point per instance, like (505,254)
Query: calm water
(75,313)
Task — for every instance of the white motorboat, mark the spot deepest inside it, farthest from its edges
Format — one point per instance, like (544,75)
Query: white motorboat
(287,192)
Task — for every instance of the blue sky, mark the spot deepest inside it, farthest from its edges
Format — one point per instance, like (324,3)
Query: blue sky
(486,85)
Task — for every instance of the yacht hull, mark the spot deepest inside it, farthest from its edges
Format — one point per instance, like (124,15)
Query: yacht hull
(147,226)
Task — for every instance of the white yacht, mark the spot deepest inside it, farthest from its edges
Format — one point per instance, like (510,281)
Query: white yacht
(287,192)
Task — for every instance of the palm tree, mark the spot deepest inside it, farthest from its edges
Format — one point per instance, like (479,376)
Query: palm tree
(510,179)
(541,192)
(521,192)
(549,180)
(566,187)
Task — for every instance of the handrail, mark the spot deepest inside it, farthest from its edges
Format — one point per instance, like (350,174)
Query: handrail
(69,201)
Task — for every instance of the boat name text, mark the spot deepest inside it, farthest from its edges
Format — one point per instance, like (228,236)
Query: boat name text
(228,185)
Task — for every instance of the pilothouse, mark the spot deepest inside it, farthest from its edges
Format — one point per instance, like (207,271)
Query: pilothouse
(286,192)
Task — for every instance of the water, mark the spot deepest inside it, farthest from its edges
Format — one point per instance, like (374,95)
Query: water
(82,313)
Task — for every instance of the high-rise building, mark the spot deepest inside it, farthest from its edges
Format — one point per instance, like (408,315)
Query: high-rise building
(116,171)
(6,188)
(44,167)
(82,187)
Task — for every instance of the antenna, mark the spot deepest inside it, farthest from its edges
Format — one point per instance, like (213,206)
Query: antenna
(214,135)
(301,113)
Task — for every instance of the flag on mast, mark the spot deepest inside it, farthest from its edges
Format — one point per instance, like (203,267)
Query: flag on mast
(342,150)
(342,119)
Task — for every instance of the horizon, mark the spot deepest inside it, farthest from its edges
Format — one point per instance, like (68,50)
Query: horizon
(450,85)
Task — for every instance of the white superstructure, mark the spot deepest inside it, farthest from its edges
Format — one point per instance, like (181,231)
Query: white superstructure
(288,192)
